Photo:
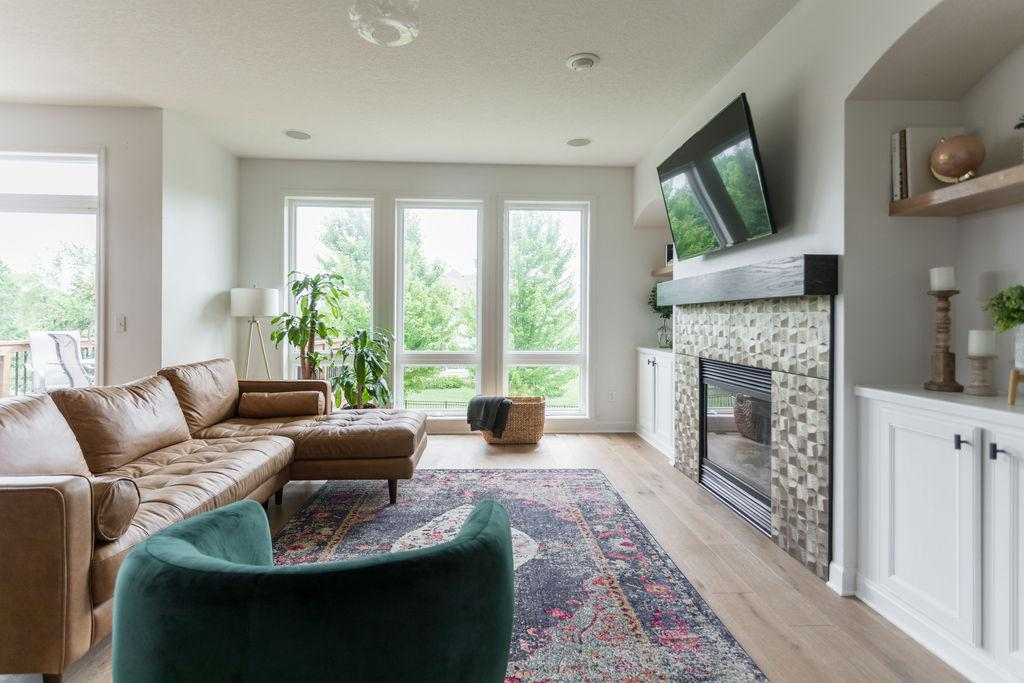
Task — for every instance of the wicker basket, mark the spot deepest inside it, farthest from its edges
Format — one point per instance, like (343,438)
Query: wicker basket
(525,422)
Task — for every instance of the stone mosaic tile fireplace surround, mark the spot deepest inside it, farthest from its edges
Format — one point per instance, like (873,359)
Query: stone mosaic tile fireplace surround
(792,338)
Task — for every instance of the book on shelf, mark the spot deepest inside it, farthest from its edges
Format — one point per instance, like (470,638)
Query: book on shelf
(911,149)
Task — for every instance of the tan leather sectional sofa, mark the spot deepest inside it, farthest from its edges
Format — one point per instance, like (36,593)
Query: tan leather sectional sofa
(85,474)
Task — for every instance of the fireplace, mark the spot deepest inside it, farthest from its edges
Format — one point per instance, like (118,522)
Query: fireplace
(752,340)
(736,438)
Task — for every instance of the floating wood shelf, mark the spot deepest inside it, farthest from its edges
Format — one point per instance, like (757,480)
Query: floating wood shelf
(664,271)
(990,191)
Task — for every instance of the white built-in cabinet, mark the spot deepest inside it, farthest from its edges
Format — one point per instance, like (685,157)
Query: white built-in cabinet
(655,390)
(941,524)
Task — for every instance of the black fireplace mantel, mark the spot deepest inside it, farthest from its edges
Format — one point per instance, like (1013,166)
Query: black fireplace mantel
(807,275)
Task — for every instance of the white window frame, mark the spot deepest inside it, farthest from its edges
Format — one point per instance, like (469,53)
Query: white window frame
(72,204)
(579,358)
(292,203)
(405,358)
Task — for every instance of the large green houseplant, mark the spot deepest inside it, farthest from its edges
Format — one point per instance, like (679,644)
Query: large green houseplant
(315,296)
(361,379)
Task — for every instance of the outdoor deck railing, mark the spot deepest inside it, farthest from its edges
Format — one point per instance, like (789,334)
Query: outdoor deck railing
(16,365)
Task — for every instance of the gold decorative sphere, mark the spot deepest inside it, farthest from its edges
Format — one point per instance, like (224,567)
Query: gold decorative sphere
(957,158)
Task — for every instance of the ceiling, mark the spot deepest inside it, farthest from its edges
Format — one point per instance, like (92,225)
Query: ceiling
(485,82)
(926,63)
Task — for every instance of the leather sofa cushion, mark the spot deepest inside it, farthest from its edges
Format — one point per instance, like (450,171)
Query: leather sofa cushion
(247,426)
(184,480)
(115,425)
(115,500)
(258,404)
(207,391)
(375,433)
(36,439)
(378,433)
(278,385)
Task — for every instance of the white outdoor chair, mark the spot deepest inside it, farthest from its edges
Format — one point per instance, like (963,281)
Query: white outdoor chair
(57,361)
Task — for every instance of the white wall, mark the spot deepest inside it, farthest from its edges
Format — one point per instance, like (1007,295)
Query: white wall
(989,245)
(889,317)
(621,256)
(131,140)
(200,244)
(797,79)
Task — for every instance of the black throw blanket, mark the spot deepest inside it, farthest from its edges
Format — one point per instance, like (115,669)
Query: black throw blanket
(488,414)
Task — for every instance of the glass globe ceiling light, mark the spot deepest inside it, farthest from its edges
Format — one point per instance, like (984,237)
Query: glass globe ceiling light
(389,23)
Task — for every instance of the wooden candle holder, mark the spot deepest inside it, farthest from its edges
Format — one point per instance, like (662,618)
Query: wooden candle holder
(943,361)
(981,377)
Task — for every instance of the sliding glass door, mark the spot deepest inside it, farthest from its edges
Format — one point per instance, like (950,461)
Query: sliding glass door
(49,271)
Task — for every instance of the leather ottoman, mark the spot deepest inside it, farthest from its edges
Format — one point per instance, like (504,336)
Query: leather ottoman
(361,444)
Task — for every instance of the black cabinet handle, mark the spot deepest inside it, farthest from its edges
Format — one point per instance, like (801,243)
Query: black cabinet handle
(994,450)
(959,442)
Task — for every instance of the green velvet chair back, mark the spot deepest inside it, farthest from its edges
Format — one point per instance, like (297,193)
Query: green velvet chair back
(202,601)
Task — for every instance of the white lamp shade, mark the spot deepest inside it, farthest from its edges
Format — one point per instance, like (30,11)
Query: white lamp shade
(258,302)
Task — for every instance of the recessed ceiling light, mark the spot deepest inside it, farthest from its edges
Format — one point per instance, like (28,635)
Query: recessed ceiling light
(579,142)
(297,134)
(584,61)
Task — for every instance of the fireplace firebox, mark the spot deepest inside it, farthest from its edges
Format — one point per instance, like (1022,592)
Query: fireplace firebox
(736,438)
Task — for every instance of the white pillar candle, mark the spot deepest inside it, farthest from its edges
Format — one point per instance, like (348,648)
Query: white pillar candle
(981,343)
(942,279)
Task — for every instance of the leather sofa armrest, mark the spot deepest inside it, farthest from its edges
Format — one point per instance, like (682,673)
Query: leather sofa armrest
(276,385)
(46,538)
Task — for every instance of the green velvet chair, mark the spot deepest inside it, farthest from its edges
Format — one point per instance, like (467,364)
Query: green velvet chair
(202,601)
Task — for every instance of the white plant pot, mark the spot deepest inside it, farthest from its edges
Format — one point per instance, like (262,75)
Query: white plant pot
(1018,348)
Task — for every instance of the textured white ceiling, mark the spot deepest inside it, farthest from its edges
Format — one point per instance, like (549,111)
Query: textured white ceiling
(484,82)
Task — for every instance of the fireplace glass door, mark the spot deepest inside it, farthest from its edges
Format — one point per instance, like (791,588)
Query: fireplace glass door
(736,447)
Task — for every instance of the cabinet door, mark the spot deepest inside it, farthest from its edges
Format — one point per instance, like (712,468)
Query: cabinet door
(1005,514)
(664,391)
(930,521)
(645,393)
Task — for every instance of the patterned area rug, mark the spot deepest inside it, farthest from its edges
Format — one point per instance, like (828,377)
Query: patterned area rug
(597,599)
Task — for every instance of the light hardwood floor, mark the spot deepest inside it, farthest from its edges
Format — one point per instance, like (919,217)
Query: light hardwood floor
(794,627)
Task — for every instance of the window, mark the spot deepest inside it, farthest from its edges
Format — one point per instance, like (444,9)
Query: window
(437,340)
(336,235)
(49,268)
(546,303)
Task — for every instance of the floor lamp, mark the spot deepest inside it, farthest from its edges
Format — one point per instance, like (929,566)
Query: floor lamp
(255,303)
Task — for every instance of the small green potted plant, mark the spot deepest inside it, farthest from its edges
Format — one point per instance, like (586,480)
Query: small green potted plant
(1007,310)
(665,313)
(315,296)
(360,380)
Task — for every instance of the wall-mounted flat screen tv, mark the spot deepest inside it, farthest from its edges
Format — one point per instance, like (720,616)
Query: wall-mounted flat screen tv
(714,186)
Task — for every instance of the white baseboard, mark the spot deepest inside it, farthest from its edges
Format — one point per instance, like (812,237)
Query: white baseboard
(973,662)
(666,447)
(843,580)
(552,425)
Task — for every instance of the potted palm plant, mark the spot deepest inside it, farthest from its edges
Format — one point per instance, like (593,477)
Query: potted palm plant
(361,380)
(317,309)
